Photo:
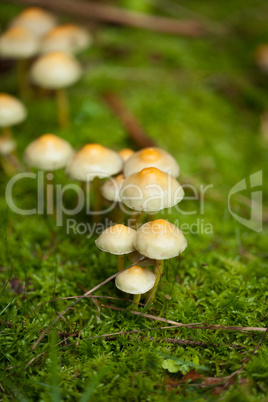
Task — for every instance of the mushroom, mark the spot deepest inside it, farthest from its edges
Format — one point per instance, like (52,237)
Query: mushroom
(92,163)
(12,112)
(136,281)
(126,153)
(7,146)
(48,153)
(118,240)
(110,192)
(159,240)
(57,70)
(151,190)
(36,20)
(136,257)
(151,157)
(66,38)
(20,44)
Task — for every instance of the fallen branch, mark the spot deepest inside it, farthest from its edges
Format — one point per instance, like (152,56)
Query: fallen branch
(128,120)
(106,13)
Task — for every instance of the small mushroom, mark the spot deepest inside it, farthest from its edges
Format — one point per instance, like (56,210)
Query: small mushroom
(118,240)
(126,153)
(36,20)
(151,190)
(48,153)
(136,281)
(92,163)
(159,240)
(110,192)
(12,112)
(20,44)
(261,57)
(151,157)
(136,257)
(66,38)
(57,70)
(7,146)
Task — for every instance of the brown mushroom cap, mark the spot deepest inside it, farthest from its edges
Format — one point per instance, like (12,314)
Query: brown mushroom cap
(160,240)
(48,152)
(117,239)
(56,70)
(135,280)
(18,43)
(151,157)
(66,38)
(36,20)
(151,190)
(94,160)
(12,110)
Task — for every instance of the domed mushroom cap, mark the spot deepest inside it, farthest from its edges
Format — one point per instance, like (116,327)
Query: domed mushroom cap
(94,160)
(36,20)
(135,280)
(117,239)
(7,145)
(151,190)
(66,38)
(135,256)
(160,240)
(18,43)
(261,56)
(48,152)
(12,110)
(151,157)
(126,153)
(55,70)
(111,188)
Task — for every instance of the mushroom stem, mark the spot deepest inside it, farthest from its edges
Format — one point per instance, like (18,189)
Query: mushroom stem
(97,203)
(136,300)
(118,214)
(48,192)
(120,262)
(7,132)
(158,269)
(63,107)
(22,74)
(7,166)
(140,217)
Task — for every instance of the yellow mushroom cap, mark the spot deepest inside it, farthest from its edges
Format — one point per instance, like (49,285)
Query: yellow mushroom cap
(48,152)
(151,157)
(126,153)
(66,38)
(151,190)
(7,145)
(12,110)
(56,70)
(117,239)
(135,280)
(94,160)
(261,56)
(18,43)
(36,20)
(111,188)
(160,240)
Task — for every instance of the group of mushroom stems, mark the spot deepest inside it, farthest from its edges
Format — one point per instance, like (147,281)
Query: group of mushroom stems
(137,183)
(140,183)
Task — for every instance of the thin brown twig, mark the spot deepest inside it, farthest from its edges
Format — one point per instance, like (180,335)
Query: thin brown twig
(105,13)
(128,120)
(199,325)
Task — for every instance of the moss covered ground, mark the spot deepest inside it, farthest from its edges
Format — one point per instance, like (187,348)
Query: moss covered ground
(200,99)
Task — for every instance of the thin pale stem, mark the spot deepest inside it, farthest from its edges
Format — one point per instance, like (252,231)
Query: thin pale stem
(120,262)
(97,201)
(136,300)
(158,270)
(118,215)
(22,74)
(63,107)
(49,194)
